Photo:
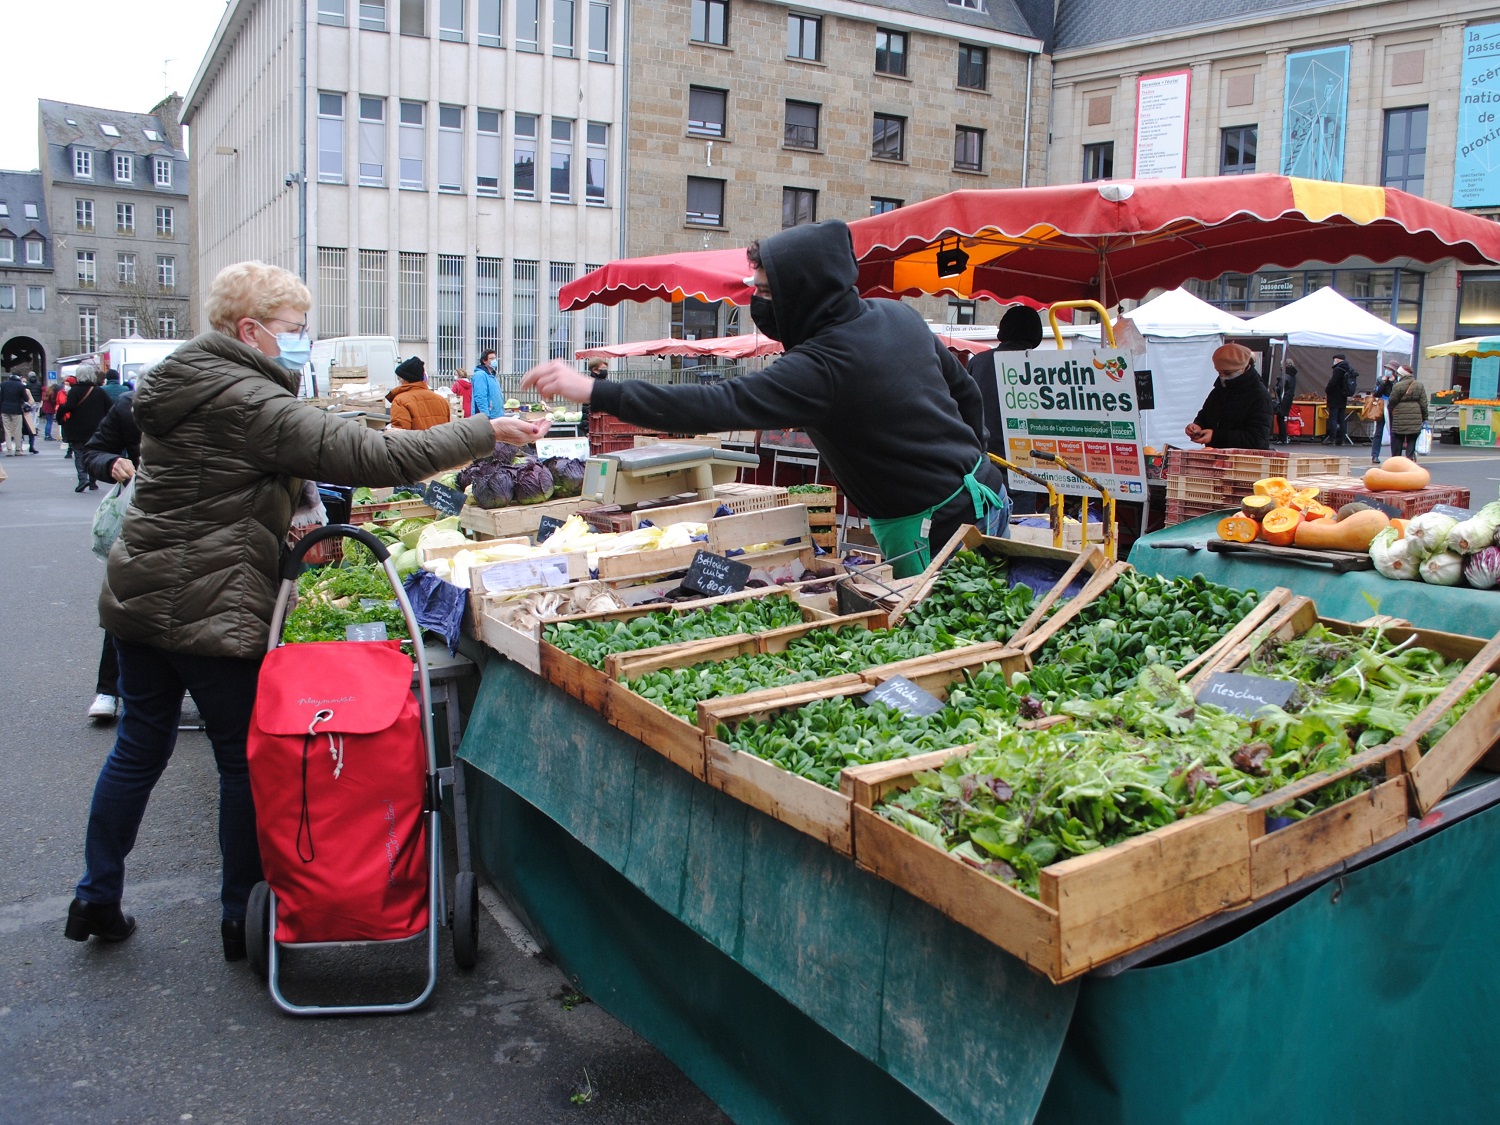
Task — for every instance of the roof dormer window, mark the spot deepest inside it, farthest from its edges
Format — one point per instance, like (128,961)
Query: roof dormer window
(151,134)
(4,210)
(30,211)
(83,164)
(108,130)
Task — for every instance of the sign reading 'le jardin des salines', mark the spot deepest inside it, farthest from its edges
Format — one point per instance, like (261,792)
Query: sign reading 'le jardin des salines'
(1079,405)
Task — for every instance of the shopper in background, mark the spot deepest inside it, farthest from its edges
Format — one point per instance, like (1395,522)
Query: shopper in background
(14,399)
(112,455)
(1378,408)
(414,405)
(1342,383)
(49,408)
(1237,412)
(109,382)
(1408,412)
(598,369)
(1283,395)
(464,389)
(80,416)
(487,397)
(191,582)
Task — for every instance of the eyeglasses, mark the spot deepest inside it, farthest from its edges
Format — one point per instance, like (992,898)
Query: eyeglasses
(301,328)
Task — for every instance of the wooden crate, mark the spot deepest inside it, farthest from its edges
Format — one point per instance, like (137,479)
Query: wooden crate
(725,533)
(518,519)
(390,509)
(810,808)
(1092,908)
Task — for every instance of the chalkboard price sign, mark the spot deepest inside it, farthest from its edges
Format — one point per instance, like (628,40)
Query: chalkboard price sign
(448,501)
(902,694)
(712,575)
(1245,695)
(365,631)
(545,529)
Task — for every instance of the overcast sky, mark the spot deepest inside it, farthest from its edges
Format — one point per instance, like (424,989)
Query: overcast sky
(117,54)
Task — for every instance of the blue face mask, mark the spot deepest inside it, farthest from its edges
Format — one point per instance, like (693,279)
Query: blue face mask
(295,348)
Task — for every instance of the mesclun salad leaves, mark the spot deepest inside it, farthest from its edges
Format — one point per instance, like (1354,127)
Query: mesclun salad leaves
(593,641)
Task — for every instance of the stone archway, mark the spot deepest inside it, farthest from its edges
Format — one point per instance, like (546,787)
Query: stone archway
(24,354)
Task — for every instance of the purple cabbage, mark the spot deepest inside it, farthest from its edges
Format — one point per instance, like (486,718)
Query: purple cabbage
(567,475)
(533,482)
(1482,568)
(492,483)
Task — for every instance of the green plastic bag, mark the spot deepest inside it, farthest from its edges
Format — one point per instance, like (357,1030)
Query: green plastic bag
(110,517)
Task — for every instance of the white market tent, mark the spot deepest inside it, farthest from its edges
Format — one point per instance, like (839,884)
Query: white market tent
(1325,319)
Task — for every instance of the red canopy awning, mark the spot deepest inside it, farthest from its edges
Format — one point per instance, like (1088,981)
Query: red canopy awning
(724,347)
(708,275)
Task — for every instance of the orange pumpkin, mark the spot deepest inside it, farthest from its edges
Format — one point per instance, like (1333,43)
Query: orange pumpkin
(1238,529)
(1319,511)
(1400,526)
(1279,527)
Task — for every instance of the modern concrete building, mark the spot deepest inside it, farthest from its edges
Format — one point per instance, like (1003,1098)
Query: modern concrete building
(1364,92)
(436,172)
(117,191)
(30,321)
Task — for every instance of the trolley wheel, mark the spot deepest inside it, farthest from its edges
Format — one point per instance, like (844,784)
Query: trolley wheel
(465,919)
(257,927)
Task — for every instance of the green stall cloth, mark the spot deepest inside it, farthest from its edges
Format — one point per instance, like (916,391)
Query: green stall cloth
(1371,1001)
(1474,613)
(788,984)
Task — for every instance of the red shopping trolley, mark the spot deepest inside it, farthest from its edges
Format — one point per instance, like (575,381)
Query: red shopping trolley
(348,795)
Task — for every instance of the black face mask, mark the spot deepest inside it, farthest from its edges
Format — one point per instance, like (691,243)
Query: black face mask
(763,313)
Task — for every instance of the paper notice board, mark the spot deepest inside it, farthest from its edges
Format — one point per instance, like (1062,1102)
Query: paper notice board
(1079,405)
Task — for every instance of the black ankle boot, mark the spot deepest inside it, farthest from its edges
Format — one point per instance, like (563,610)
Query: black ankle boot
(103,920)
(233,934)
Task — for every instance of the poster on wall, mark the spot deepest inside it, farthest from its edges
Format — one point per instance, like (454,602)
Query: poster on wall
(1161,123)
(1314,122)
(1476,163)
(1079,405)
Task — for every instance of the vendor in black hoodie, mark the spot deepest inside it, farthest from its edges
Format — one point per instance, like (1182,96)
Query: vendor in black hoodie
(1237,412)
(898,421)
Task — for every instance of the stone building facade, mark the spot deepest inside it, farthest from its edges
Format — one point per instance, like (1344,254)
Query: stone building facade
(30,318)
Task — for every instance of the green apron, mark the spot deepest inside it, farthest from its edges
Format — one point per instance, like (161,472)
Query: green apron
(904,539)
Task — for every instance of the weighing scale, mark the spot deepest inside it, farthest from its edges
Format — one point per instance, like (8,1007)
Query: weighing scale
(630,477)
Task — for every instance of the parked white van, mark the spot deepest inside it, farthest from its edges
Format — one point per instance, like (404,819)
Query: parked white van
(132,357)
(343,356)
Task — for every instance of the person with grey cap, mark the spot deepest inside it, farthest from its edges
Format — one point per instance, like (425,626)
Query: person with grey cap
(80,416)
(1408,405)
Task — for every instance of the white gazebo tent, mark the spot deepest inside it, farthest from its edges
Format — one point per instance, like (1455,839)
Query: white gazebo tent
(1324,319)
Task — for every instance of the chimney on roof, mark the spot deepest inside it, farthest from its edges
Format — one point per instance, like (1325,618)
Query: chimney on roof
(169,109)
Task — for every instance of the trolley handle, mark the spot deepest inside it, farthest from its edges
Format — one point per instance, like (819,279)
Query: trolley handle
(292,567)
(1043,455)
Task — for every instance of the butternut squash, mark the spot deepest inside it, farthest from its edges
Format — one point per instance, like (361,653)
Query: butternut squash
(1353,534)
(1396,474)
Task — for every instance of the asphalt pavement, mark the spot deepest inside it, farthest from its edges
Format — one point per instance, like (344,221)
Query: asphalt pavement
(161,1028)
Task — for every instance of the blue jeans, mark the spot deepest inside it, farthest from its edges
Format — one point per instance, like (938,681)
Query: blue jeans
(152,683)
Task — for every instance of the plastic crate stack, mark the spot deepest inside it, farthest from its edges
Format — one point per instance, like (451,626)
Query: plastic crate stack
(1200,481)
(607,434)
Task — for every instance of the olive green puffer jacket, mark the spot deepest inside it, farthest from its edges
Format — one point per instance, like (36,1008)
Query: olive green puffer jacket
(225,446)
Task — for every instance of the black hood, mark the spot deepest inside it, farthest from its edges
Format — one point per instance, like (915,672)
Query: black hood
(811,269)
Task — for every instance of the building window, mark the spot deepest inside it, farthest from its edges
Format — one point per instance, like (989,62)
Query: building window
(162,166)
(7,298)
(595,321)
(523,161)
(88,328)
(413,143)
(963,312)
(372,292)
(562,29)
(331,137)
(968,149)
(86,275)
(36,299)
(599,31)
(124,168)
(799,206)
(489,277)
(596,168)
(372,15)
(487,25)
(890,137)
(890,52)
(523,309)
(83,164)
(562,160)
(1098,161)
(1405,150)
(333,291)
(487,152)
(451,20)
(804,37)
(4,209)
(801,125)
(83,213)
(450,311)
(971,5)
(7,249)
(880,204)
(372,142)
(1237,150)
(705,201)
(706,109)
(166,222)
(414,18)
(527,21)
(166,272)
(332,13)
(125,269)
(710,22)
(130,324)
(560,333)
(124,218)
(450,148)
(973,67)
(166,326)
(413,303)
(35,252)
(30,211)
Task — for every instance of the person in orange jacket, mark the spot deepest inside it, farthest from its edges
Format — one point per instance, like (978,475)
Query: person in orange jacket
(413,405)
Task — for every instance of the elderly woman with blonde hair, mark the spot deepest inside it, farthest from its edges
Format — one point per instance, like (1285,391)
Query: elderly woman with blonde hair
(226,446)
